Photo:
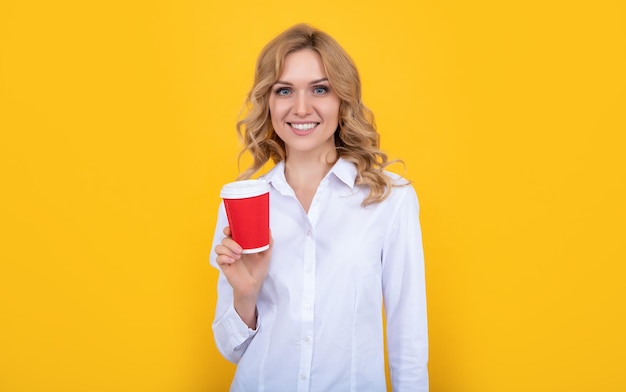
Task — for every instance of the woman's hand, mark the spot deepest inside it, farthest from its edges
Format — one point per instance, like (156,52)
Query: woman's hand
(245,274)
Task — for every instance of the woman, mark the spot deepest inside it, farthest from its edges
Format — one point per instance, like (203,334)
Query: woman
(306,314)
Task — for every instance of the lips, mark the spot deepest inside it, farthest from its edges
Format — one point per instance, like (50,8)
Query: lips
(303,128)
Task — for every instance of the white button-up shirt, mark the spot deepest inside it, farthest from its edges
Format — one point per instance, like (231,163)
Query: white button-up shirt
(320,319)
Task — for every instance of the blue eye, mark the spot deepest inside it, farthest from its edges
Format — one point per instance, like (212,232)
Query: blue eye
(283,91)
(320,90)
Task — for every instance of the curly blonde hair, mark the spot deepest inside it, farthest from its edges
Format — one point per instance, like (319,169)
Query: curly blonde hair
(356,138)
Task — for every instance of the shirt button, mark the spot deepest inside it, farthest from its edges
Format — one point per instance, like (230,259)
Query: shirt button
(308,233)
(307,270)
(307,306)
(306,339)
(302,376)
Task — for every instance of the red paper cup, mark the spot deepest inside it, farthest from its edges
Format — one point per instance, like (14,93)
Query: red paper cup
(247,205)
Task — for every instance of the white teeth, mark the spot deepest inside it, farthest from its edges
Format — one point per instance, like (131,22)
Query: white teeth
(304,127)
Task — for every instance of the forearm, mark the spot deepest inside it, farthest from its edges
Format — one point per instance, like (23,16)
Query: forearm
(246,309)
(232,335)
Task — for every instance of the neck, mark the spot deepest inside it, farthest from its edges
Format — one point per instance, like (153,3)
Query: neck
(302,171)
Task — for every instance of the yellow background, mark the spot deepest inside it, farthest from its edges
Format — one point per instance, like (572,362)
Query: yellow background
(117,131)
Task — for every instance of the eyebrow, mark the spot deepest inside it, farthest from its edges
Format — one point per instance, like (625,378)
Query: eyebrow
(313,82)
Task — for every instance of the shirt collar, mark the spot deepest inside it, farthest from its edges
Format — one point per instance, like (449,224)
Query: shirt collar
(344,170)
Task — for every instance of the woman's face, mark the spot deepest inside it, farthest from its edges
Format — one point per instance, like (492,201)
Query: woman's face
(303,108)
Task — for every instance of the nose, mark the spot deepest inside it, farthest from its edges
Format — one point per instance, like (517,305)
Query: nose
(302,105)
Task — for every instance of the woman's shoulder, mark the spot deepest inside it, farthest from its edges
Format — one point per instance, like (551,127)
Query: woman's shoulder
(401,188)
(398,181)
(396,178)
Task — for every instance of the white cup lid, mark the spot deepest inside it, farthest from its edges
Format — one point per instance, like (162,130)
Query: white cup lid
(244,188)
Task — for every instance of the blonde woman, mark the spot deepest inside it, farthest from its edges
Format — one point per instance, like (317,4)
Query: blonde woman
(307,314)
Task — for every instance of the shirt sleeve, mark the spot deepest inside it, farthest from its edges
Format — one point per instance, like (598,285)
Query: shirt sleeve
(404,291)
(232,336)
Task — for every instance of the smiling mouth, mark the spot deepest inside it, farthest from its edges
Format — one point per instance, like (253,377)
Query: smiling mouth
(303,127)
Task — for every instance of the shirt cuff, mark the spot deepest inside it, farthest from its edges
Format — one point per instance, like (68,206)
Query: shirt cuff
(235,331)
